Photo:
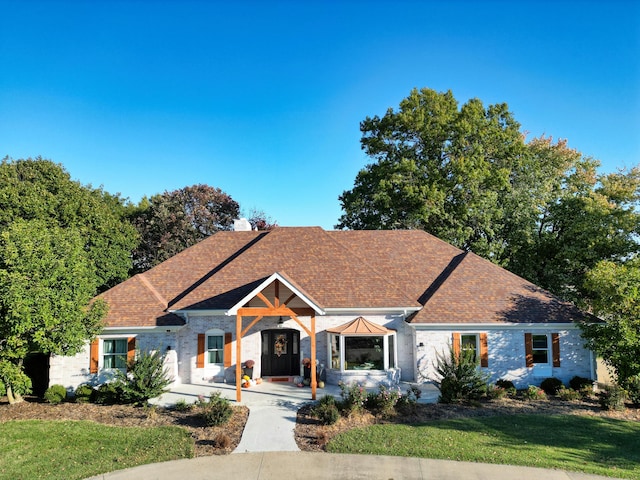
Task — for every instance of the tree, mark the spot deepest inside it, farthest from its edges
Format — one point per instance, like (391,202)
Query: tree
(47,280)
(38,189)
(260,220)
(615,289)
(468,176)
(170,222)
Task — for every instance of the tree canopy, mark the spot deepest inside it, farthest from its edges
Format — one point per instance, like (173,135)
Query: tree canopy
(170,222)
(616,292)
(46,283)
(467,175)
(38,189)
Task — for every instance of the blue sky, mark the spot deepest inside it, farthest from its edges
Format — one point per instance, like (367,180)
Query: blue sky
(264,99)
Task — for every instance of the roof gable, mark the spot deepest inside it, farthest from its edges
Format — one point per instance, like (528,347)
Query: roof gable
(360,326)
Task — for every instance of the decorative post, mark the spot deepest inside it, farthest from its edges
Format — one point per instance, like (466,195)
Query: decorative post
(238,357)
(313,356)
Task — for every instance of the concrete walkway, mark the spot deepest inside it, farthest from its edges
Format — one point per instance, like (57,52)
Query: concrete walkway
(268,450)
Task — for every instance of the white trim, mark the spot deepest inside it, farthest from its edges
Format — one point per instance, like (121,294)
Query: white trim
(471,327)
(132,330)
(195,313)
(276,276)
(377,310)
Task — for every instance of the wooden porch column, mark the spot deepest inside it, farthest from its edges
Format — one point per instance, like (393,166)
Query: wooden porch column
(313,356)
(238,357)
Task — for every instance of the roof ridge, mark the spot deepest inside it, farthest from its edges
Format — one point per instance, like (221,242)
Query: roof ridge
(145,281)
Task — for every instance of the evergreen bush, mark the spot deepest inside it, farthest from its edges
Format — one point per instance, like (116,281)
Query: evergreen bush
(326,411)
(216,411)
(460,379)
(612,398)
(633,389)
(578,383)
(145,379)
(84,393)
(55,394)
(551,385)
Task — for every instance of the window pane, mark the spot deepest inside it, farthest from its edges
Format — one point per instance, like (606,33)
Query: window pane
(109,361)
(108,346)
(539,341)
(214,342)
(335,351)
(121,361)
(468,343)
(364,353)
(392,363)
(215,356)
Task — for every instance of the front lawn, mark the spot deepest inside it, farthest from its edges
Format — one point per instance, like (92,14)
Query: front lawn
(595,445)
(39,449)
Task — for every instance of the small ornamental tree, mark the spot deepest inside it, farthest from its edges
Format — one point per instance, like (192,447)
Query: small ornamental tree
(459,378)
(146,378)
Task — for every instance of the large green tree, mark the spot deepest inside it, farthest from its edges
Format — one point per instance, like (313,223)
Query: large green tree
(467,175)
(38,189)
(170,222)
(615,289)
(47,280)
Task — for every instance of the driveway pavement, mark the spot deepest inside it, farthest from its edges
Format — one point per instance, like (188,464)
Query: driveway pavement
(268,450)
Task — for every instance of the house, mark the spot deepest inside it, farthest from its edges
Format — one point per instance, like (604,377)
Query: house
(369,306)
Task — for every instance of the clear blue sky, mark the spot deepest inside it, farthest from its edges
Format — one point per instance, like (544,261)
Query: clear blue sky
(264,99)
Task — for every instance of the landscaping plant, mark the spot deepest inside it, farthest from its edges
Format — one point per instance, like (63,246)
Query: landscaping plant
(354,397)
(145,379)
(326,411)
(612,397)
(551,385)
(460,379)
(215,411)
(55,394)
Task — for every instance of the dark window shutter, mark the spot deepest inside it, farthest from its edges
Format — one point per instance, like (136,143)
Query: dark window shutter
(93,356)
(555,346)
(484,350)
(200,357)
(131,350)
(528,349)
(456,344)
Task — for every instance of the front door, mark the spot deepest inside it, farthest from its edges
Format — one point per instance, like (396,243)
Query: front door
(280,352)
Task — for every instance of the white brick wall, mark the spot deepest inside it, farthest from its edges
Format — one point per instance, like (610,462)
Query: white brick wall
(507,354)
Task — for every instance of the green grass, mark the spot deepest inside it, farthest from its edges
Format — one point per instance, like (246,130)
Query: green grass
(593,445)
(37,449)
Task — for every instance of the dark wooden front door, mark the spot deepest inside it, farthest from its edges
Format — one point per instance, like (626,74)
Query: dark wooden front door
(280,352)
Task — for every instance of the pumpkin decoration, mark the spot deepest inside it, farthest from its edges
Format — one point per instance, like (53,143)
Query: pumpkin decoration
(320,384)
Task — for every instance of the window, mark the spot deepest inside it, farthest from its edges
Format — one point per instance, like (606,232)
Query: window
(540,351)
(469,344)
(475,344)
(215,349)
(364,352)
(115,353)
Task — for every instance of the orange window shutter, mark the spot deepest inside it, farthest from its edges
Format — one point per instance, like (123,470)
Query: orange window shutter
(528,349)
(93,356)
(131,350)
(227,349)
(484,350)
(555,346)
(200,357)
(456,344)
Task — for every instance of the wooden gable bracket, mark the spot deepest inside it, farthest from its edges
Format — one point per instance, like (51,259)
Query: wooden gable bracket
(277,310)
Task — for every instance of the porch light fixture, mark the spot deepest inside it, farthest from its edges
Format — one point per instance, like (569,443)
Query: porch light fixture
(280,322)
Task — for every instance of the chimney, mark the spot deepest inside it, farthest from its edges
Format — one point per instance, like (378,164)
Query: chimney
(241,225)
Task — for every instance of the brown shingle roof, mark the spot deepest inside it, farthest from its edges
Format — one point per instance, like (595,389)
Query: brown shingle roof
(338,269)
(360,326)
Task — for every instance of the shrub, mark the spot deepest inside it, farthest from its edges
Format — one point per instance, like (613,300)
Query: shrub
(55,394)
(216,411)
(109,393)
(409,399)
(354,397)
(495,392)
(551,385)
(15,381)
(384,401)
(508,386)
(326,411)
(182,405)
(568,394)
(460,379)
(633,389)
(3,389)
(84,393)
(146,378)
(534,393)
(612,398)
(578,383)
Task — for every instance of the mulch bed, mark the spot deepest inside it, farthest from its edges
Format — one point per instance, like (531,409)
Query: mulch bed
(208,440)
